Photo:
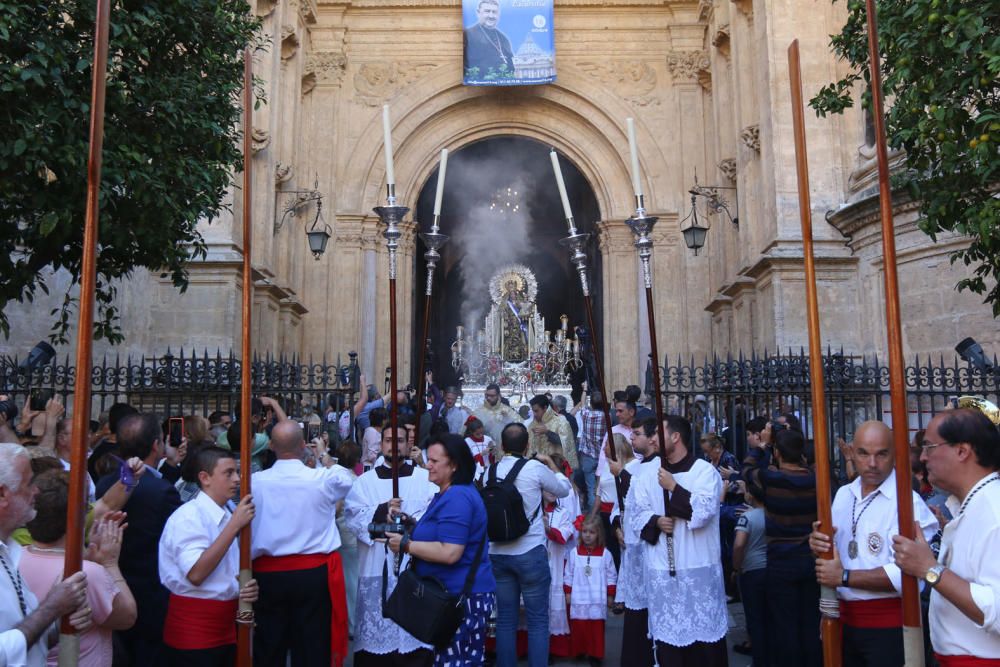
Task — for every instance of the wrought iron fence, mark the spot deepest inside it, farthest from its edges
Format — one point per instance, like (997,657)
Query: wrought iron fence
(188,383)
(721,394)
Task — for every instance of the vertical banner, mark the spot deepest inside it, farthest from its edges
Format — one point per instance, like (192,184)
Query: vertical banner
(508,42)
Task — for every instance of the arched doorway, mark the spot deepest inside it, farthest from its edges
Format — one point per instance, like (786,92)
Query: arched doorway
(501,206)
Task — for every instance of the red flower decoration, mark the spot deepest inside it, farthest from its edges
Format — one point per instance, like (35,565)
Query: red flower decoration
(578,522)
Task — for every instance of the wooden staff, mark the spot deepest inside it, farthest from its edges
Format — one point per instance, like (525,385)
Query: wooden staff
(830,627)
(76,511)
(913,638)
(244,616)
(393,408)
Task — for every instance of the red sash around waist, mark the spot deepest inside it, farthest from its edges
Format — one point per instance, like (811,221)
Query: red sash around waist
(965,661)
(193,623)
(606,508)
(335,584)
(880,613)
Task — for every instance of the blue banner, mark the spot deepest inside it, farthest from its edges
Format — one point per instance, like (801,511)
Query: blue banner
(508,42)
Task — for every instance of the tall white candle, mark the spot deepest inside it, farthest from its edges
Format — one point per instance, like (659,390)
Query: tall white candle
(562,185)
(634,155)
(390,174)
(440,184)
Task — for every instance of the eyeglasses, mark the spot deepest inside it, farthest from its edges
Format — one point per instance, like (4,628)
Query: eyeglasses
(924,447)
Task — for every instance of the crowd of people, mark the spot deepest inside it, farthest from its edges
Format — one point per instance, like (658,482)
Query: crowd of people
(540,525)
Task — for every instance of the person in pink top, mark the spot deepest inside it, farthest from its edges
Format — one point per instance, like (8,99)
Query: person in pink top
(41,566)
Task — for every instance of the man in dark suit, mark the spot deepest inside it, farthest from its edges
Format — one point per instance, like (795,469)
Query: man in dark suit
(148,508)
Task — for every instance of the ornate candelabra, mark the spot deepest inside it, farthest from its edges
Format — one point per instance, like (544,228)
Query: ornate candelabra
(391,216)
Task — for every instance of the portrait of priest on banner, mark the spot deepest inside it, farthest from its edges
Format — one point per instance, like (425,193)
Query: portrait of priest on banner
(488,52)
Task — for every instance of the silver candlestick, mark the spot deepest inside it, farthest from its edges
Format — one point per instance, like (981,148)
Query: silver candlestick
(434,240)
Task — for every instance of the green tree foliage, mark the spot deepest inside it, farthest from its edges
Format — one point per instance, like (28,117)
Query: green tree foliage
(941,75)
(171,143)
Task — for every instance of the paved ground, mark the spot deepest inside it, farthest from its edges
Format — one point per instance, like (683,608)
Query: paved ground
(737,634)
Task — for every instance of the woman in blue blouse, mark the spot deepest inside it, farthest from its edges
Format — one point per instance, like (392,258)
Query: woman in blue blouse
(445,541)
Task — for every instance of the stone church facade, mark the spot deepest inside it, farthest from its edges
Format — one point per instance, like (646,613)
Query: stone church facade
(707,82)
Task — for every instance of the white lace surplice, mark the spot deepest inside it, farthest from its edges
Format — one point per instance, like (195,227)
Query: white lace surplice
(691,606)
(372,632)
(560,519)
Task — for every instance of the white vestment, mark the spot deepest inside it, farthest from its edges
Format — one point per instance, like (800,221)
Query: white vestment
(372,632)
(691,606)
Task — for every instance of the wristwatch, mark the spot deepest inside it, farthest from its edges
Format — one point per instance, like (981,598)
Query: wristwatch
(933,575)
(844,577)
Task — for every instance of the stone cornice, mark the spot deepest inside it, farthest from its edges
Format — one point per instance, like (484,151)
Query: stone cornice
(785,256)
(860,221)
(403,4)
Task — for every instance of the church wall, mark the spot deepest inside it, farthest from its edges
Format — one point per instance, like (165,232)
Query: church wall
(707,83)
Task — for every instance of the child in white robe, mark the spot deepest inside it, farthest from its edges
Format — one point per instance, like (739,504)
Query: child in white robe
(559,516)
(589,582)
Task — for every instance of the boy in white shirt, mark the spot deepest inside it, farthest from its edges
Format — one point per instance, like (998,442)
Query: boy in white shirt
(199,564)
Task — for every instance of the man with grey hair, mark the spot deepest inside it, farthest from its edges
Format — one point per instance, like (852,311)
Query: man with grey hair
(27,628)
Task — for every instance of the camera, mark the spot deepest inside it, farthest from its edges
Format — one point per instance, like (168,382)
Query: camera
(379,531)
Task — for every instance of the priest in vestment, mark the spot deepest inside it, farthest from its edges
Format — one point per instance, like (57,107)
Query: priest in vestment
(687,610)
(378,640)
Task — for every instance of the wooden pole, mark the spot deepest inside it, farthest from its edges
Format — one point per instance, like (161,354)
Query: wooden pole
(393,407)
(913,638)
(244,616)
(830,626)
(599,369)
(76,512)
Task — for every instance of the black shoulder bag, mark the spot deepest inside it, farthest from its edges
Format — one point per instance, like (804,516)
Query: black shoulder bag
(423,606)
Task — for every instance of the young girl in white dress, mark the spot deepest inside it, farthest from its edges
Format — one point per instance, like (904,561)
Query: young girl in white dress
(482,447)
(589,582)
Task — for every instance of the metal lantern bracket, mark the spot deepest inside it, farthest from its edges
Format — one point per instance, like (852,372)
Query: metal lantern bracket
(296,199)
(716,202)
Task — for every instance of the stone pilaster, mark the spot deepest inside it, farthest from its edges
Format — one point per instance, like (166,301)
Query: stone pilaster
(621,291)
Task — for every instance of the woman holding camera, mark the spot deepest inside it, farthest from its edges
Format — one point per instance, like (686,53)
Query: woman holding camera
(446,542)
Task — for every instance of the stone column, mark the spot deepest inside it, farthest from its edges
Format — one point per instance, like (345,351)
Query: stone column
(620,337)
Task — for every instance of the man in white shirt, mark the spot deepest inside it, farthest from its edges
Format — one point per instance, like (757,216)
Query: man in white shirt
(302,607)
(27,627)
(199,561)
(521,565)
(868,582)
(962,453)
(685,594)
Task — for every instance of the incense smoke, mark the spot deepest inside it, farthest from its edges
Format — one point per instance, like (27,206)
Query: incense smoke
(487,239)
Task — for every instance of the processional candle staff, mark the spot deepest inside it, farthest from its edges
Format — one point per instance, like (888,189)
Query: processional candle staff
(575,243)
(69,641)
(391,216)
(244,615)
(830,629)
(433,241)
(641,226)
(913,638)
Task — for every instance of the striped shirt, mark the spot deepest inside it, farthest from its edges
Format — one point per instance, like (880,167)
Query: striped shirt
(789,504)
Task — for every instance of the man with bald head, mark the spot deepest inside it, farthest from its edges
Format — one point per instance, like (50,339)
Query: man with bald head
(302,609)
(868,582)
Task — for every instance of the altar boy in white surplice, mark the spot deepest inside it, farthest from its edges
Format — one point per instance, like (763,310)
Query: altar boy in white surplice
(687,609)
(378,640)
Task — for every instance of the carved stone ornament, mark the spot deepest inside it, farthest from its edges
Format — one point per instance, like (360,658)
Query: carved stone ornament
(289,41)
(323,67)
(634,81)
(750,136)
(692,65)
(745,6)
(374,82)
(260,139)
(265,7)
(721,40)
(282,173)
(728,168)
